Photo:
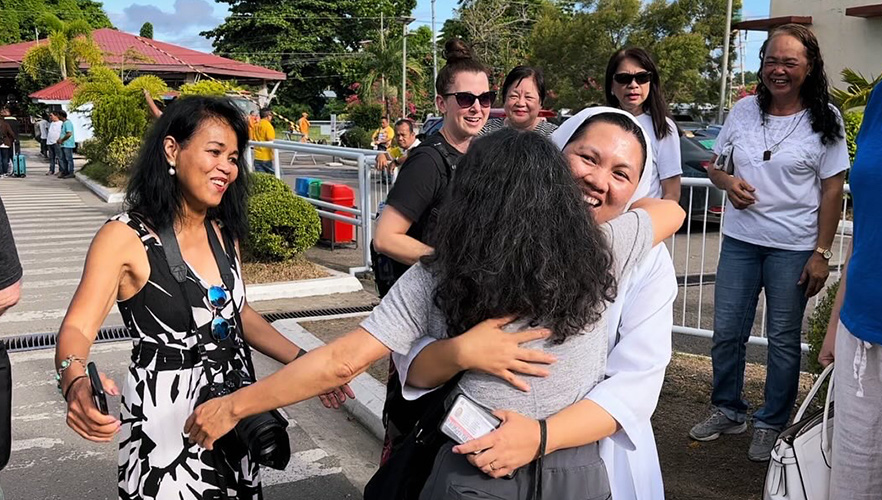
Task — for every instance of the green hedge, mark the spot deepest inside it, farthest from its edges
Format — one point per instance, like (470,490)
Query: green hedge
(122,152)
(817,326)
(93,149)
(281,225)
(262,183)
(356,137)
(853,120)
(365,116)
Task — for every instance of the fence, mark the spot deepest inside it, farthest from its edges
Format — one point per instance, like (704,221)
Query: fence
(696,249)
(362,213)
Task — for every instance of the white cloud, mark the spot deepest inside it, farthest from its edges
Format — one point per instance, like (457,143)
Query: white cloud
(187,17)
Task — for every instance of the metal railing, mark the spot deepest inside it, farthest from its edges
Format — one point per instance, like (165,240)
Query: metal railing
(363,210)
(696,249)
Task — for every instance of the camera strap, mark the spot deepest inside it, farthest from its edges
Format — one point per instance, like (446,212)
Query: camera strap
(179,270)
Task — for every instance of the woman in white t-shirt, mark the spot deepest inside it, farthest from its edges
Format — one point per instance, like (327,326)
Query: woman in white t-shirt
(785,196)
(633,84)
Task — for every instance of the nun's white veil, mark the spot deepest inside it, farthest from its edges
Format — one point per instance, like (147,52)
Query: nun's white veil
(561,137)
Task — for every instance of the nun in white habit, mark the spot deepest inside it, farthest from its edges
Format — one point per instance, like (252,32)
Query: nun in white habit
(640,323)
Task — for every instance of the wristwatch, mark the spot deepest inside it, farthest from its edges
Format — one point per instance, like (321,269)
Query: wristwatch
(825,252)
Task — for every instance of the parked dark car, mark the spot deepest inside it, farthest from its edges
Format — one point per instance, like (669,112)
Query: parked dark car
(695,161)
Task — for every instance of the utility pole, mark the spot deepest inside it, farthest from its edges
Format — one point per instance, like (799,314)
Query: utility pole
(741,42)
(383,74)
(404,22)
(434,53)
(724,69)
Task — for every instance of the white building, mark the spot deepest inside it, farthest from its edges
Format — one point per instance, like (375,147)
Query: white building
(849,32)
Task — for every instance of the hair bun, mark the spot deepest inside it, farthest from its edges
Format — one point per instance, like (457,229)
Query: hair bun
(456,50)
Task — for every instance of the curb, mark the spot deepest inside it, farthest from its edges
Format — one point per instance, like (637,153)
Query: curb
(106,194)
(337,282)
(370,394)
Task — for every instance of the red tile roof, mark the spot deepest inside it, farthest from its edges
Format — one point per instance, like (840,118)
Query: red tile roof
(164,57)
(61,91)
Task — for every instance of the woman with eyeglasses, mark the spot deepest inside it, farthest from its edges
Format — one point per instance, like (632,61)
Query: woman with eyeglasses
(633,84)
(187,190)
(523,93)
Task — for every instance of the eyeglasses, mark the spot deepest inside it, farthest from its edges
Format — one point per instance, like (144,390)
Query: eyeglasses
(467,99)
(626,78)
(220,327)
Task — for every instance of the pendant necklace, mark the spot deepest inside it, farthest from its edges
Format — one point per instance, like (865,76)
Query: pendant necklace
(767,154)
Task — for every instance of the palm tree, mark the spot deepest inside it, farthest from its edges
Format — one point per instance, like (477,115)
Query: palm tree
(383,64)
(70,43)
(858,91)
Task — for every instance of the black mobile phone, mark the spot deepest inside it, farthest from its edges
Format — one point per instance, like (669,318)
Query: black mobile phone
(97,388)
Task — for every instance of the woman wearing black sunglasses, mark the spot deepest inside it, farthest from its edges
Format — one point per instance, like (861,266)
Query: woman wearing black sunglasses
(192,329)
(633,84)
(464,99)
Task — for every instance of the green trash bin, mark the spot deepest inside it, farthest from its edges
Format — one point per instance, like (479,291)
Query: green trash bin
(315,189)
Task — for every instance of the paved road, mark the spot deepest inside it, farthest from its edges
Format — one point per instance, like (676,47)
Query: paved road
(332,455)
(53,222)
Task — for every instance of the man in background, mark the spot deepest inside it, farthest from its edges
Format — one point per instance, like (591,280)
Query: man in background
(303,125)
(264,132)
(7,143)
(389,162)
(43,127)
(253,122)
(382,137)
(67,142)
(53,149)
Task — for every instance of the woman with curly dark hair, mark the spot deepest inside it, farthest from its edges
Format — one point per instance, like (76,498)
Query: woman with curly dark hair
(515,240)
(192,327)
(784,171)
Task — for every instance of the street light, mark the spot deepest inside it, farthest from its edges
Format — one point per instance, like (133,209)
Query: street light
(404,22)
(724,71)
(434,54)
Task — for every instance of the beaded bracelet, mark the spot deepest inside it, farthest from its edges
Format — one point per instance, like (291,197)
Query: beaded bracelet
(65,364)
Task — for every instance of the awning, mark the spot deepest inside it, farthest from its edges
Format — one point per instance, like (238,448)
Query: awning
(865,11)
(770,23)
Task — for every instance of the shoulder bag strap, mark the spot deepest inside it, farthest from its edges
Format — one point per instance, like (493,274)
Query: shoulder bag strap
(173,254)
(223,262)
(178,268)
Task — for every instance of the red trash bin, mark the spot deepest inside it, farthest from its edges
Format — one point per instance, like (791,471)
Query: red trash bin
(332,230)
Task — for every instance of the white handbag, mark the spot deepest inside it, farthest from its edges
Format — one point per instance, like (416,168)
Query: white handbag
(801,460)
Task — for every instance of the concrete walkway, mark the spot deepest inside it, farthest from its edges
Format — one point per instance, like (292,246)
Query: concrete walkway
(53,221)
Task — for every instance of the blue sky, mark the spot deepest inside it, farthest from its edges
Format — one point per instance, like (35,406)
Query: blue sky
(180,21)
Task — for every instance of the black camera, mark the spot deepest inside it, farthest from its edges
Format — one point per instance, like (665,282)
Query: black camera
(262,437)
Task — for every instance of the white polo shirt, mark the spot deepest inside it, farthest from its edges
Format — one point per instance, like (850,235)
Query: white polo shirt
(788,185)
(54,132)
(665,154)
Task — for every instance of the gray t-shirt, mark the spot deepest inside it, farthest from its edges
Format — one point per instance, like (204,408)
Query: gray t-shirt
(408,312)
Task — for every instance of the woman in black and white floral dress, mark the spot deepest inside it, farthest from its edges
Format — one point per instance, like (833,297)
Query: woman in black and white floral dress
(184,334)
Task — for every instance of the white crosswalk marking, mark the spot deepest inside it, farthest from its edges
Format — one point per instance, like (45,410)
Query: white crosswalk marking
(53,223)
